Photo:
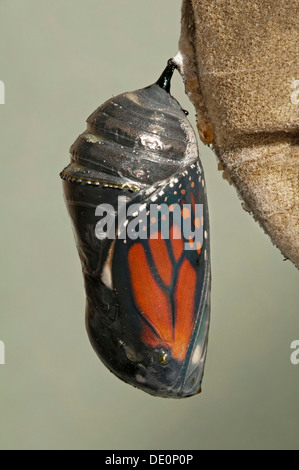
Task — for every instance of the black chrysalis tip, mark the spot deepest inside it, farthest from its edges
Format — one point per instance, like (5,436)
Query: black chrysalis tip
(165,78)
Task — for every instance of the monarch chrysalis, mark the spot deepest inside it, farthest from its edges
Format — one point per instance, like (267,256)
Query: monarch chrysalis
(146,264)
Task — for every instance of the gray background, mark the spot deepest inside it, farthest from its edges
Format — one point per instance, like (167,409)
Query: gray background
(59,61)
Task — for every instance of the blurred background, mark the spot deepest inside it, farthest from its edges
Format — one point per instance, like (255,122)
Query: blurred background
(59,61)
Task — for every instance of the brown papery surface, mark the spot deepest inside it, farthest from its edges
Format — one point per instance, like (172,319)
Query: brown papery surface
(241,70)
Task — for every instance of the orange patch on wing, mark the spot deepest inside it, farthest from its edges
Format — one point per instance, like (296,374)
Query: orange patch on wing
(154,303)
(149,337)
(149,298)
(161,259)
(183,191)
(176,241)
(198,247)
(197,222)
(184,313)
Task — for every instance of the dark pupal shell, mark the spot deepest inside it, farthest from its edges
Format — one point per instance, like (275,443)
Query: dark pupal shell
(139,148)
(137,136)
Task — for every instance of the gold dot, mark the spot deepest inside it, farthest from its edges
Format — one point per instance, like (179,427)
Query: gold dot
(163,359)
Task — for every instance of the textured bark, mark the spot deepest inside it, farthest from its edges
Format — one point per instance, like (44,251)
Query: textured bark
(239,61)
